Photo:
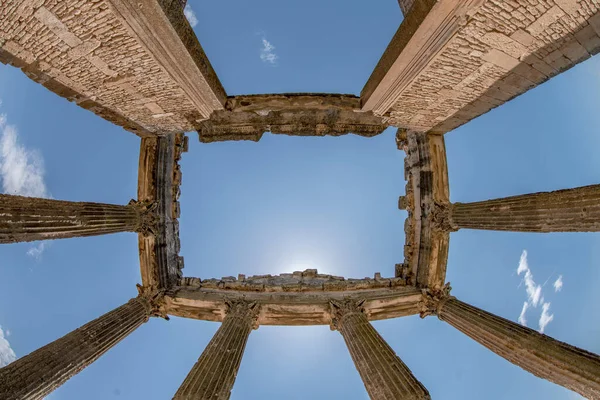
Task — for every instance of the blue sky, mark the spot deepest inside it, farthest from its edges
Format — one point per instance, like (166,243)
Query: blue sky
(289,203)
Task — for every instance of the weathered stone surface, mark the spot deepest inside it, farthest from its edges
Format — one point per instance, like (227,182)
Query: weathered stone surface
(547,358)
(451,61)
(105,56)
(25,219)
(39,373)
(248,117)
(426,240)
(405,5)
(298,281)
(213,375)
(159,180)
(568,210)
(296,306)
(385,376)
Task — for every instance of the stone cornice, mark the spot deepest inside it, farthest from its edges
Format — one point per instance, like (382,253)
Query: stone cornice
(248,117)
(298,281)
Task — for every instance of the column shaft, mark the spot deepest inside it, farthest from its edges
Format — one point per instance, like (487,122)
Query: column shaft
(547,358)
(39,373)
(213,375)
(384,375)
(569,210)
(25,219)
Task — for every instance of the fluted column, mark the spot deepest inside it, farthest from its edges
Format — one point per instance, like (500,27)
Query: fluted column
(213,375)
(385,376)
(25,219)
(39,373)
(569,210)
(543,356)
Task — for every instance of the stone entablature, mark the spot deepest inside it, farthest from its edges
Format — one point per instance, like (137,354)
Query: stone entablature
(139,65)
(105,56)
(451,61)
(159,181)
(300,114)
(298,281)
(426,236)
(291,308)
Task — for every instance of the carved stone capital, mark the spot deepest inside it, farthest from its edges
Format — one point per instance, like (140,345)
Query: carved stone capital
(433,300)
(153,300)
(342,308)
(441,217)
(401,140)
(148,219)
(245,310)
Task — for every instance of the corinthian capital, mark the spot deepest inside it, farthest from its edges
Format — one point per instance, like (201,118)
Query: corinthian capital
(341,308)
(433,300)
(147,212)
(441,217)
(153,300)
(246,310)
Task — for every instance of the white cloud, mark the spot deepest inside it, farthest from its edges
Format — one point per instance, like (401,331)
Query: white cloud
(190,15)
(535,295)
(267,54)
(546,317)
(7,355)
(21,170)
(36,251)
(558,284)
(534,291)
(522,319)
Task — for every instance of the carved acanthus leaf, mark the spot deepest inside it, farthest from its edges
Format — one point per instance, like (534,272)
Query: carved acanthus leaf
(154,299)
(441,217)
(148,218)
(434,299)
(341,308)
(246,310)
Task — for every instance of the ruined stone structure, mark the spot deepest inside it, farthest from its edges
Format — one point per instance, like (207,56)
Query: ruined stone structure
(140,65)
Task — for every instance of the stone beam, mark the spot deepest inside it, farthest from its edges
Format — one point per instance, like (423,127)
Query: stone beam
(558,362)
(301,298)
(248,117)
(568,210)
(426,172)
(26,219)
(136,64)
(213,375)
(39,373)
(159,180)
(384,374)
(451,61)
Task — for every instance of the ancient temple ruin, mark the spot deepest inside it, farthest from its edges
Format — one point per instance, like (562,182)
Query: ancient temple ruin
(449,62)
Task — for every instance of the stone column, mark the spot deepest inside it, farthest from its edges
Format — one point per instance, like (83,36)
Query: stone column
(570,210)
(39,373)
(213,375)
(25,219)
(385,376)
(547,358)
